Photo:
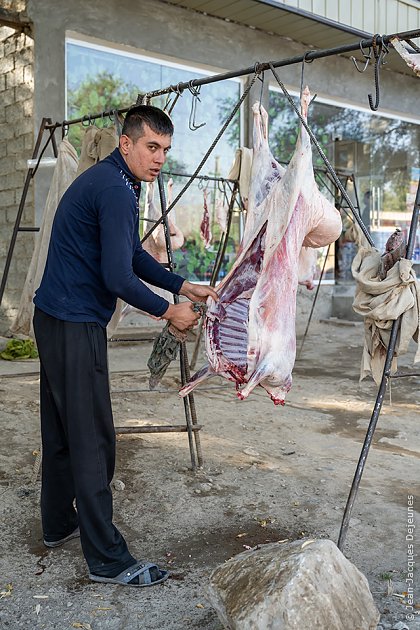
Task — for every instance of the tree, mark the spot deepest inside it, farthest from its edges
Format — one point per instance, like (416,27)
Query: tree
(101,92)
(106,92)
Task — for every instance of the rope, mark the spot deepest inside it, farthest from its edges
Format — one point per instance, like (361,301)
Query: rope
(205,158)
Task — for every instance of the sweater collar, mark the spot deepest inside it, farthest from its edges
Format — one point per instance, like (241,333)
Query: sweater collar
(118,159)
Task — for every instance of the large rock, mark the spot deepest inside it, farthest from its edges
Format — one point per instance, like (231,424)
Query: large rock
(302,585)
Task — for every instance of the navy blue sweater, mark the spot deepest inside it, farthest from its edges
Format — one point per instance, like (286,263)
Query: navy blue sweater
(95,254)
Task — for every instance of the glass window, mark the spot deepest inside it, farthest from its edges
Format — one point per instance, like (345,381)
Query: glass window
(101,78)
(375,155)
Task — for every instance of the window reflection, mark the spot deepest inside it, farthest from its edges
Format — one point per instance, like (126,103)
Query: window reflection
(99,78)
(381,154)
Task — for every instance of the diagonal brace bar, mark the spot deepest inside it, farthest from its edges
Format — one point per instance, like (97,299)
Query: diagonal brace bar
(381,392)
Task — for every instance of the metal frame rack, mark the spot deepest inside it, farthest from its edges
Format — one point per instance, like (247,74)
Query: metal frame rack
(379,45)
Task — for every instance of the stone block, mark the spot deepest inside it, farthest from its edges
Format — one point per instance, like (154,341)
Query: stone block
(22,163)
(10,46)
(18,196)
(14,113)
(7,166)
(2,83)
(1,50)
(302,585)
(24,41)
(14,77)
(29,141)
(17,145)
(7,198)
(11,212)
(8,97)
(11,181)
(23,57)
(28,108)
(26,125)
(28,75)
(6,132)
(24,92)
(7,64)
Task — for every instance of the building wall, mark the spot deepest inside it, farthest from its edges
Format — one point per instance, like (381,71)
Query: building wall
(17,139)
(181,34)
(157,28)
(371,16)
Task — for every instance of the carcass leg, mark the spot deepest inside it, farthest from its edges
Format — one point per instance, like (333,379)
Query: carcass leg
(200,376)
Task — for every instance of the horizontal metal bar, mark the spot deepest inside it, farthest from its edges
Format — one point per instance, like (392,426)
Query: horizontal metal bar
(170,428)
(308,56)
(258,67)
(28,229)
(403,374)
(204,177)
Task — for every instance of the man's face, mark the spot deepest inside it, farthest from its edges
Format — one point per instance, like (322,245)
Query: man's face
(145,157)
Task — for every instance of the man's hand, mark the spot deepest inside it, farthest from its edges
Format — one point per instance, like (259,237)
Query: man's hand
(197,292)
(182,316)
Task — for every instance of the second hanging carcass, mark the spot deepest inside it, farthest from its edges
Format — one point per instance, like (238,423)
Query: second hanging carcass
(250,332)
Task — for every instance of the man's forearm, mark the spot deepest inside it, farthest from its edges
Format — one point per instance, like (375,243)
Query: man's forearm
(149,269)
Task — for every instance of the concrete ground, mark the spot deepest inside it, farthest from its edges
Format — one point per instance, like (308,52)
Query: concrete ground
(269,474)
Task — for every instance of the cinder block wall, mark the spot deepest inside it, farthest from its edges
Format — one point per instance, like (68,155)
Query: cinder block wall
(16,146)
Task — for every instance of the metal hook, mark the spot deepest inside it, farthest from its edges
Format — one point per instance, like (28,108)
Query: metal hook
(261,78)
(195,91)
(65,129)
(304,60)
(86,119)
(377,52)
(167,102)
(221,186)
(367,56)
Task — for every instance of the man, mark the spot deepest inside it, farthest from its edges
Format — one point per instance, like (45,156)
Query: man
(94,257)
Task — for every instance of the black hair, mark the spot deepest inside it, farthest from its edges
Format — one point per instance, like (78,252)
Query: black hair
(153,117)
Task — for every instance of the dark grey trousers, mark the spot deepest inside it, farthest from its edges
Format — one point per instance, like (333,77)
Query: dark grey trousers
(78,441)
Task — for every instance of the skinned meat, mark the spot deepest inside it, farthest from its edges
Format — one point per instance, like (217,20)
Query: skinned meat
(205,228)
(307,267)
(411,59)
(221,214)
(250,332)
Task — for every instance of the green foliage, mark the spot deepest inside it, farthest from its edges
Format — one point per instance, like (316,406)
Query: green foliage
(18,349)
(389,145)
(385,576)
(104,92)
(99,93)
(196,262)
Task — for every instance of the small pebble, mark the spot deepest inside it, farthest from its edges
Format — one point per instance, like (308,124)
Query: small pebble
(117,484)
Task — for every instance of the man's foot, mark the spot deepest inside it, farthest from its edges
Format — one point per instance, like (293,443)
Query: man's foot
(140,574)
(61,541)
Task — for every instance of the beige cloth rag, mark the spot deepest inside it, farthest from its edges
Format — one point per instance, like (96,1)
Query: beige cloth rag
(241,170)
(64,174)
(97,144)
(380,302)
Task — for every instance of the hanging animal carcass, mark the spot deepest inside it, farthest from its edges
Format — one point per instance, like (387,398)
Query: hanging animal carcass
(250,332)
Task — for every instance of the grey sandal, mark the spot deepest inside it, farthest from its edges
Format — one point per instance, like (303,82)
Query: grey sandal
(148,574)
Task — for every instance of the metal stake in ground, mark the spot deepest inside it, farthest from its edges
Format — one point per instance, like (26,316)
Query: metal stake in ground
(381,392)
